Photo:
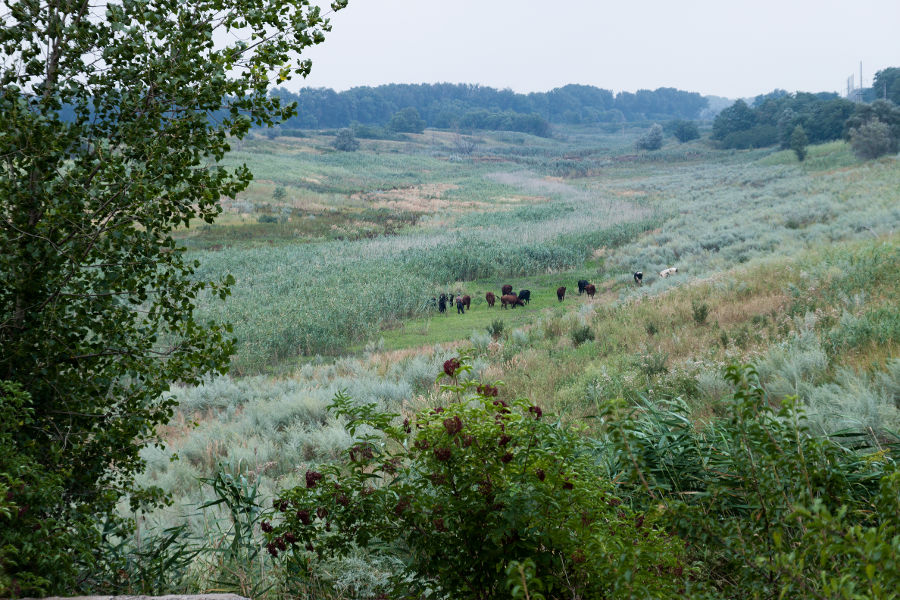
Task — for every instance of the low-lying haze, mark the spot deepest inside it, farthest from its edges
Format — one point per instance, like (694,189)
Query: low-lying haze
(731,48)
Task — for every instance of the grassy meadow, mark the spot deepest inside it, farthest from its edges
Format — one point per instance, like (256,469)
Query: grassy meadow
(336,257)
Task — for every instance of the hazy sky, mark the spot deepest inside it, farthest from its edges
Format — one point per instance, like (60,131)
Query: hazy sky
(732,48)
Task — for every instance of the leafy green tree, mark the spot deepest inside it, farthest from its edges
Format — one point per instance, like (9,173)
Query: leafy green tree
(735,118)
(872,140)
(345,142)
(886,84)
(652,140)
(799,141)
(112,122)
(685,131)
(407,121)
(883,111)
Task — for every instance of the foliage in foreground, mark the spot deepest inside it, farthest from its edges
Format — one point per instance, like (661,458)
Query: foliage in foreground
(461,491)
(108,146)
(480,499)
(769,509)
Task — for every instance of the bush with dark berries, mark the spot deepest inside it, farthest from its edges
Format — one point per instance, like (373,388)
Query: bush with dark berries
(474,486)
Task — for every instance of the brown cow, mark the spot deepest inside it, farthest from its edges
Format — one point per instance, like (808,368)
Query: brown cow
(590,289)
(491,298)
(467,302)
(510,299)
(506,290)
(561,293)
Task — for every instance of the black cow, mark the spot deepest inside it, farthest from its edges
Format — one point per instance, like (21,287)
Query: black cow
(525,296)
(442,303)
(639,277)
(582,283)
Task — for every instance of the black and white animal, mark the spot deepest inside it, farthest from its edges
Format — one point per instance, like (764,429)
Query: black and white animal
(582,283)
(525,296)
(666,272)
(639,277)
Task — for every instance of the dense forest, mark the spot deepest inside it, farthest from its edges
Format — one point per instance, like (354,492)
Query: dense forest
(467,106)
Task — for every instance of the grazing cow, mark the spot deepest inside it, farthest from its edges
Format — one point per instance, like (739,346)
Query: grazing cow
(511,300)
(590,289)
(639,277)
(506,290)
(582,283)
(525,296)
(491,298)
(460,307)
(666,272)
(442,303)
(561,293)
(467,302)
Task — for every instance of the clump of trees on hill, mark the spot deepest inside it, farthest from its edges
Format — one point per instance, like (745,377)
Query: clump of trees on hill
(779,118)
(773,117)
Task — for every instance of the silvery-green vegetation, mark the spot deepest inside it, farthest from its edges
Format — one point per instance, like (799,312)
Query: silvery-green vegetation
(788,261)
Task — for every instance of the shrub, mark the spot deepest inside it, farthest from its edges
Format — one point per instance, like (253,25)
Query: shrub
(496,328)
(653,363)
(652,140)
(871,140)
(345,142)
(771,509)
(462,491)
(798,142)
(267,219)
(699,311)
(582,334)
(685,131)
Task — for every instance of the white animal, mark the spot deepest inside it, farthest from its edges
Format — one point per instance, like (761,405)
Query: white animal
(666,272)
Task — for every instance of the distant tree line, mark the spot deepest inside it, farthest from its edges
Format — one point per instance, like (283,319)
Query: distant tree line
(467,106)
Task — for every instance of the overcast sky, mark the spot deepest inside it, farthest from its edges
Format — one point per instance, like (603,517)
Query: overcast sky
(732,48)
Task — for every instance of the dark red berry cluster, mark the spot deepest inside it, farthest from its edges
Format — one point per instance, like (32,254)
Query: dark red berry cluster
(504,407)
(451,367)
(487,390)
(538,413)
(453,425)
(312,478)
(361,451)
(442,454)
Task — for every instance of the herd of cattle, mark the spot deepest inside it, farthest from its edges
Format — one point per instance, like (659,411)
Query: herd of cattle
(508,299)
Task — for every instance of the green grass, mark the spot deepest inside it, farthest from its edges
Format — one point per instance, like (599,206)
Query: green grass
(437,328)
